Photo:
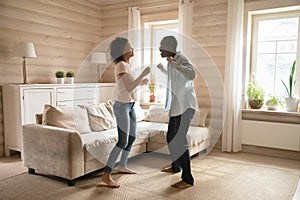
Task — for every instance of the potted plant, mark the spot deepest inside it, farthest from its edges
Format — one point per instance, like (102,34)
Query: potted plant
(273,103)
(60,77)
(255,94)
(70,77)
(152,89)
(291,102)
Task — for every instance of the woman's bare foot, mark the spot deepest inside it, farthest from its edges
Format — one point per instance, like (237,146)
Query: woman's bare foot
(126,170)
(106,178)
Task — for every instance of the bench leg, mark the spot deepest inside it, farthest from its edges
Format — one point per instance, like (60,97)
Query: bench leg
(71,183)
(31,171)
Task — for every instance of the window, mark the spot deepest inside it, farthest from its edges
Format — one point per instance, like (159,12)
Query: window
(274,48)
(153,34)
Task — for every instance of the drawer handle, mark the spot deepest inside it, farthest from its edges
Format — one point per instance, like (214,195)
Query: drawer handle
(61,92)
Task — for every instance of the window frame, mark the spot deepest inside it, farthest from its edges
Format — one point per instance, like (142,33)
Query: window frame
(156,25)
(150,29)
(254,41)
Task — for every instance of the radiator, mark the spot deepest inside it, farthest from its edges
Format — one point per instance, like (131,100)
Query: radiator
(271,134)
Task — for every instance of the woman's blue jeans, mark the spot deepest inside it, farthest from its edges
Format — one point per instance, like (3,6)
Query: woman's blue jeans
(126,125)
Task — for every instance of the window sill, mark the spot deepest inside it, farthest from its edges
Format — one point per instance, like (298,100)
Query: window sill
(271,116)
(146,105)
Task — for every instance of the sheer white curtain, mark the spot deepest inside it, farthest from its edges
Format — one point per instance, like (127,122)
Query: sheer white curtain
(134,37)
(185,24)
(231,139)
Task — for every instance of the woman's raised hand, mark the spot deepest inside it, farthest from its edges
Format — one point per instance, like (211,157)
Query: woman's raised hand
(146,71)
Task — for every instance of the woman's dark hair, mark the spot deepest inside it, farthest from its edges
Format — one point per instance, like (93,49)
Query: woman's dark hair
(117,47)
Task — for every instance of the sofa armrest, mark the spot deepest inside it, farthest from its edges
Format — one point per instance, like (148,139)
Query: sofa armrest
(53,150)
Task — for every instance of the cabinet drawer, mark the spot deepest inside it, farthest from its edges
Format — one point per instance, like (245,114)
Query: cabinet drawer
(69,94)
(75,102)
(64,94)
(84,93)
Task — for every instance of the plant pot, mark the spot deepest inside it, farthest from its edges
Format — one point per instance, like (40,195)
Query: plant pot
(291,104)
(272,107)
(70,80)
(60,80)
(152,98)
(255,103)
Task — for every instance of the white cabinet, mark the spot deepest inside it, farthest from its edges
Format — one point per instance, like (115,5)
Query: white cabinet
(22,102)
(33,102)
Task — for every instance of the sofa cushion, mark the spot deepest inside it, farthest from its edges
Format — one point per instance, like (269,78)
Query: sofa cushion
(74,118)
(100,144)
(199,118)
(195,136)
(140,115)
(101,116)
(157,114)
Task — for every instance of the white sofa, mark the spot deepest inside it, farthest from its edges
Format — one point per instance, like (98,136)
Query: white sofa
(54,146)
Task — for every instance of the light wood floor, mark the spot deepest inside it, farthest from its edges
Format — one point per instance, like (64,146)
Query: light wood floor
(10,166)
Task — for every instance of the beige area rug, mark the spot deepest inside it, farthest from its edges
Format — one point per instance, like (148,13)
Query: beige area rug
(215,178)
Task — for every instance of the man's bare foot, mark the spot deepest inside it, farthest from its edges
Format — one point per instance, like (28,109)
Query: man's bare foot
(106,178)
(126,170)
(169,170)
(181,184)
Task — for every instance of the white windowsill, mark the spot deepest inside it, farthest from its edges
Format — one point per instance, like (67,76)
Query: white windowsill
(146,105)
(271,116)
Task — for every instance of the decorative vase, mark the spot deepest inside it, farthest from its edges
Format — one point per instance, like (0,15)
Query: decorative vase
(291,104)
(60,80)
(152,98)
(70,80)
(255,103)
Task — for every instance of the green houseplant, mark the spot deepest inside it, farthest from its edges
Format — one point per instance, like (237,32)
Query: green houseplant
(273,102)
(291,102)
(70,77)
(60,77)
(59,74)
(70,74)
(255,94)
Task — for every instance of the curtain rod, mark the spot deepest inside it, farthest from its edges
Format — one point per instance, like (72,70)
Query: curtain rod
(142,8)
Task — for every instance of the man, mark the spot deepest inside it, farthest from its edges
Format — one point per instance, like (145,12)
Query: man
(181,103)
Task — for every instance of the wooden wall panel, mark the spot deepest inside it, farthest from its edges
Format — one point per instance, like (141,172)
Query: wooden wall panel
(209,30)
(63,31)
(1,126)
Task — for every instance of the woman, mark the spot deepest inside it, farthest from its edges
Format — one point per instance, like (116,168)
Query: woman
(123,97)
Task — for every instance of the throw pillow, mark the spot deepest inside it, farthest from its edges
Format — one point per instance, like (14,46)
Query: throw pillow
(101,116)
(74,118)
(199,118)
(81,119)
(157,114)
(140,115)
(110,114)
(61,117)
